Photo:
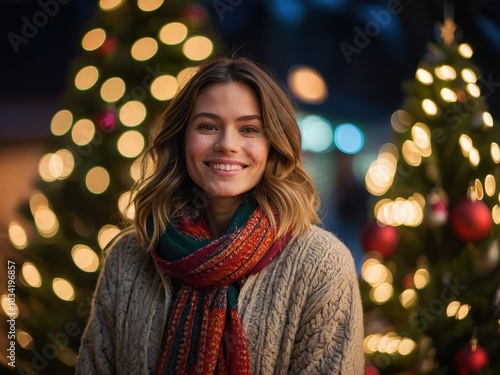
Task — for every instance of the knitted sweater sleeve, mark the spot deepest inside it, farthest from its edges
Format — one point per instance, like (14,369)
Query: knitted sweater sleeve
(330,335)
(97,350)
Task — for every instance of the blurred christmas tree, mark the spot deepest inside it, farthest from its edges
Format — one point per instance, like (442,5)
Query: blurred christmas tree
(431,276)
(135,56)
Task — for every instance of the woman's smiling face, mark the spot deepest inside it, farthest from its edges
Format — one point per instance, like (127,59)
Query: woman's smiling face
(226,148)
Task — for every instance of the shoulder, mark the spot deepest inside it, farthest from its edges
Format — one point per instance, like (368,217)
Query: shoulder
(124,248)
(323,248)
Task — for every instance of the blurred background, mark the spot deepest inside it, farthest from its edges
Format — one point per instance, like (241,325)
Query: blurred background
(343,62)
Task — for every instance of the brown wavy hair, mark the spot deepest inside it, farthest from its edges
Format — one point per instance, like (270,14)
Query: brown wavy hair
(165,186)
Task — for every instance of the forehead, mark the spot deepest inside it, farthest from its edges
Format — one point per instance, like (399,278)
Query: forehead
(234,95)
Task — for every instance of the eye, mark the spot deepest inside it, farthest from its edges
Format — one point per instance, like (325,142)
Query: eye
(207,127)
(249,129)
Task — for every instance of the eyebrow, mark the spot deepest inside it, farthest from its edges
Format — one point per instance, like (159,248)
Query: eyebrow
(217,117)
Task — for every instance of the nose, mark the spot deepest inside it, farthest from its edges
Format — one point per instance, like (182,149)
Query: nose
(227,141)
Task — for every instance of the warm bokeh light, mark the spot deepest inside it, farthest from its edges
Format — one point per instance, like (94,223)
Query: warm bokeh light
(445,72)
(468,75)
(86,77)
(97,180)
(373,272)
(495,212)
(382,293)
(408,298)
(307,84)
(401,121)
(473,90)
(466,144)
(46,222)
(144,48)
(429,107)
(197,48)
(37,200)
(487,119)
(424,76)
(149,5)
(490,185)
(25,340)
(462,312)
(93,39)
(474,157)
(421,136)
(465,50)
(108,5)
(113,89)
(9,309)
(85,258)
(106,234)
(411,153)
(31,275)
(380,174)
(125,207)
(408,212)
(68,162)
(448,95)
(61,122)
(478,188)
(407,346)
(131,143)
(132,113)
(83,132)
(421,278)
(495,152)
(164,87)
(173,33)
(63,289)
(17,235)
(452,308)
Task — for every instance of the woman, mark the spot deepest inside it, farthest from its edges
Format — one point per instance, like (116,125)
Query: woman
(224,271)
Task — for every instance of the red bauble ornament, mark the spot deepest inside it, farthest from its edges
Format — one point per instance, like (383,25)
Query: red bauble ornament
(195,14)
(109,46)
(371,369)
(106,121)
(471,220)
(382,239)
(471,359)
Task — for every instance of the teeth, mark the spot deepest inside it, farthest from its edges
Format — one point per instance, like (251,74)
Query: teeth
(225,167)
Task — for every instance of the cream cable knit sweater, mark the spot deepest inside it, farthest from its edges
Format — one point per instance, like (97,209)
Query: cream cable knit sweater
(302,314)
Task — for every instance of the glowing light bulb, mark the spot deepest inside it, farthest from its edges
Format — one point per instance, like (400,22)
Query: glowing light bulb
(63,289)
(197,48)
(173,33)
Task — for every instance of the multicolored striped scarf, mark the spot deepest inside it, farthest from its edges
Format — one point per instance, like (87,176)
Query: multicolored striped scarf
(204,334)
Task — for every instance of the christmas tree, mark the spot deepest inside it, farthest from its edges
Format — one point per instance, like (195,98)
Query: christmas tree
(431,276)
(135,55)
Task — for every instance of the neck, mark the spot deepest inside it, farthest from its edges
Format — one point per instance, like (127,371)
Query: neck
(219,213)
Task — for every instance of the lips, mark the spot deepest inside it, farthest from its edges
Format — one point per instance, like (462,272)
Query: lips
(225,167)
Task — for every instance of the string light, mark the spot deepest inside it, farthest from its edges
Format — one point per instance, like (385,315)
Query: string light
(408,212)
(61,122)
(127,210)
(85,258)
(46,222)
(83,132)
(173,33)
(424,76)
(478,186)
(25,340)
(31,275)
(452,308)
(106,234)
(411,153)
(421,136)
(474,157)
(108,5)
(143,49)
(465,50)
(408,298)
(445,72)
(113,89)
(131,143)
(63,289)
(164,87)
(382,293)
(473,90)
(468,75)
(466,145)
(68,163)
(429,107)
(93,39)
(487,119)
(448,95)
(97,180)
(381,172)
(421,278)
(495,152)
(149,5)
(17,235)
(197,48)
(132,113)
(307,84)
(462,312)
(86,77)
(495,212)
